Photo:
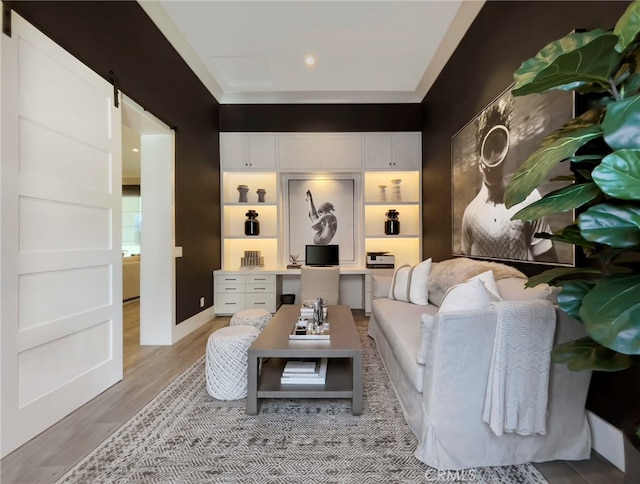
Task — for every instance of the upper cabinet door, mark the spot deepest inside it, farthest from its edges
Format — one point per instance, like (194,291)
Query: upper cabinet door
(242,151)
(407,151)
(393,151)
(298,153)
(316,152)
(341,153)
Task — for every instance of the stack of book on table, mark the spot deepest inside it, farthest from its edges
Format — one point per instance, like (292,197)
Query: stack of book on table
(305,372)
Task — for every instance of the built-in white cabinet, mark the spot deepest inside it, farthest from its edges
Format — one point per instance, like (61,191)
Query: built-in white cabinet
(242,151)
(385,162)
(235,292)
(323,152)
(393,151)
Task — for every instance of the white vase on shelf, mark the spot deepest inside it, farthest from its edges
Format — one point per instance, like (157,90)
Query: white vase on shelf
(382,194)
(395,190)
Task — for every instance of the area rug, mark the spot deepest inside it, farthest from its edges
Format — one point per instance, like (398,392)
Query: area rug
(185,436)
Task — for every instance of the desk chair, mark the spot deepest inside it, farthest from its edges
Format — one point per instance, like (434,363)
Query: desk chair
(321,282)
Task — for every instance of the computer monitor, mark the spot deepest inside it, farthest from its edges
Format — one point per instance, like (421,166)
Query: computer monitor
(322,255)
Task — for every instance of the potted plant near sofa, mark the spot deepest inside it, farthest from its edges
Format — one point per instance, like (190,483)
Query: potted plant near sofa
(602,147)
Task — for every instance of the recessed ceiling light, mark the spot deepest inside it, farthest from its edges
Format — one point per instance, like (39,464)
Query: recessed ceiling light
(135,150)
(310,60)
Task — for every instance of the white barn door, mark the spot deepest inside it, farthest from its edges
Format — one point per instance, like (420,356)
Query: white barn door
(60,257)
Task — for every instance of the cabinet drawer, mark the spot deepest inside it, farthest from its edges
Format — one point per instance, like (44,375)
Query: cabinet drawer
(230,288)
(261,301)
(229,303)
(231,279)
(260,287)
(261,278)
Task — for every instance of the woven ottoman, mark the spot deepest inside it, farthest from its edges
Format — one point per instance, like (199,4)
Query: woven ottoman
(226,361)
(258,318)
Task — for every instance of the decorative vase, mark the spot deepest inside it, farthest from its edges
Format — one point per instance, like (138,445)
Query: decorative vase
(382,194)
(395,190)
(261,193)
(251,225)
(392,224)
(242,190)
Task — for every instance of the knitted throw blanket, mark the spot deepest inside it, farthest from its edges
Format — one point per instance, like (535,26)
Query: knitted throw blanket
(518,385)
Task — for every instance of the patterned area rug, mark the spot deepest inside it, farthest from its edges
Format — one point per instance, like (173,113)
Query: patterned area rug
(185,436)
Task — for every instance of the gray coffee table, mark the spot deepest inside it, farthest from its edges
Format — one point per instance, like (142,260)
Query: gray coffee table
(343,352)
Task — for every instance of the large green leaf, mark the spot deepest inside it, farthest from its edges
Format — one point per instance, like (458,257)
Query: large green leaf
(570,235)
(571,295)
(621,124)
(563,200)
(631,84)
(627,27)
(614,225)
(576,60)
(618,174)
(537,167)
(589,118)
(551,275)
(611,313)
(585,354)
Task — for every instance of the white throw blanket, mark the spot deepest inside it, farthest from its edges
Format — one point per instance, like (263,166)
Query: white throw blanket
(518,385)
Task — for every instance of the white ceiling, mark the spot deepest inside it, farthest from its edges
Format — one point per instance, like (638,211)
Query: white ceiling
(367,51)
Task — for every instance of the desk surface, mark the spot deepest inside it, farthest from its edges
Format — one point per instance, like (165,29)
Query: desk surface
(293,272)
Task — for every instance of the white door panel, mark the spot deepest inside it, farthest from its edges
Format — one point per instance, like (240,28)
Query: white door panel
(61,234)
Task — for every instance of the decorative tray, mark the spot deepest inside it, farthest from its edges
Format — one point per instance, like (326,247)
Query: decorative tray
(302,330)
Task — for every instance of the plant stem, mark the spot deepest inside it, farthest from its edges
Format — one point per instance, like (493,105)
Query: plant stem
(614,90)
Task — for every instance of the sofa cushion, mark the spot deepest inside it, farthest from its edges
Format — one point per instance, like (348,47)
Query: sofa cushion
(409,283)
(400,323)
(513,289)
(448,273)
(466,296)
(490,283)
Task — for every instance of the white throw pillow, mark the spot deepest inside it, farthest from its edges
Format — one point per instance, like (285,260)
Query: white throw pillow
(468,295)
(409,284)
(418,290)
(399,289)
(490,283)
(426,325)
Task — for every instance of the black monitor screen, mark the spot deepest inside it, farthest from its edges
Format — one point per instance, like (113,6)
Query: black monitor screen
(321,255)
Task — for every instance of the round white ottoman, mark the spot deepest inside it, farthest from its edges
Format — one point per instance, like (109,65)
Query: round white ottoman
(258,318)
(226,361)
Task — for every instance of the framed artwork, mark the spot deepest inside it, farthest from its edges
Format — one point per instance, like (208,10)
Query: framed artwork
(323,211)
(485,155)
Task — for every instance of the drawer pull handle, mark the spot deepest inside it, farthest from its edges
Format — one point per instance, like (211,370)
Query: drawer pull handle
(260,288)
(230,304)
(230,288)
(230,279)
(260,279)
(260,303)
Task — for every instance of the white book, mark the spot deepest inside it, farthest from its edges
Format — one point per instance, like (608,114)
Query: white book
(311,379)
(301,367)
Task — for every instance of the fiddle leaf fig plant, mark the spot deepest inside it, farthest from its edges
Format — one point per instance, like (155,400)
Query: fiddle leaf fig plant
(602,147)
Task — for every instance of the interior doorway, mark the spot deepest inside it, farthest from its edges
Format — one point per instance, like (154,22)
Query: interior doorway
(157,228)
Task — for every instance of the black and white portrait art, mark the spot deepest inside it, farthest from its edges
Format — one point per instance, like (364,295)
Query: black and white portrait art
(321,212)
(485,155)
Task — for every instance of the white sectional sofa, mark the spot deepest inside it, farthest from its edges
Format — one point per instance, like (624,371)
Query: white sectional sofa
(443,399)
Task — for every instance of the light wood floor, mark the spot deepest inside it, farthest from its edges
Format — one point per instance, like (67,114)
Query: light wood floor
(147,370)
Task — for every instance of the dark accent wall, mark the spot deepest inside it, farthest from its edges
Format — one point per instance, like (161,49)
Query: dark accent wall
(320,117)
(118,36)
(504,34)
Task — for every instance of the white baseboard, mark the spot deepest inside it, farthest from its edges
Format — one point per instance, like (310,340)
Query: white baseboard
(188,326)
(606,440)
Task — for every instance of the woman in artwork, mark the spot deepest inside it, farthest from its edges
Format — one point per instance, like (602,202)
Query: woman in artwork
(488,229)
(323,221)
